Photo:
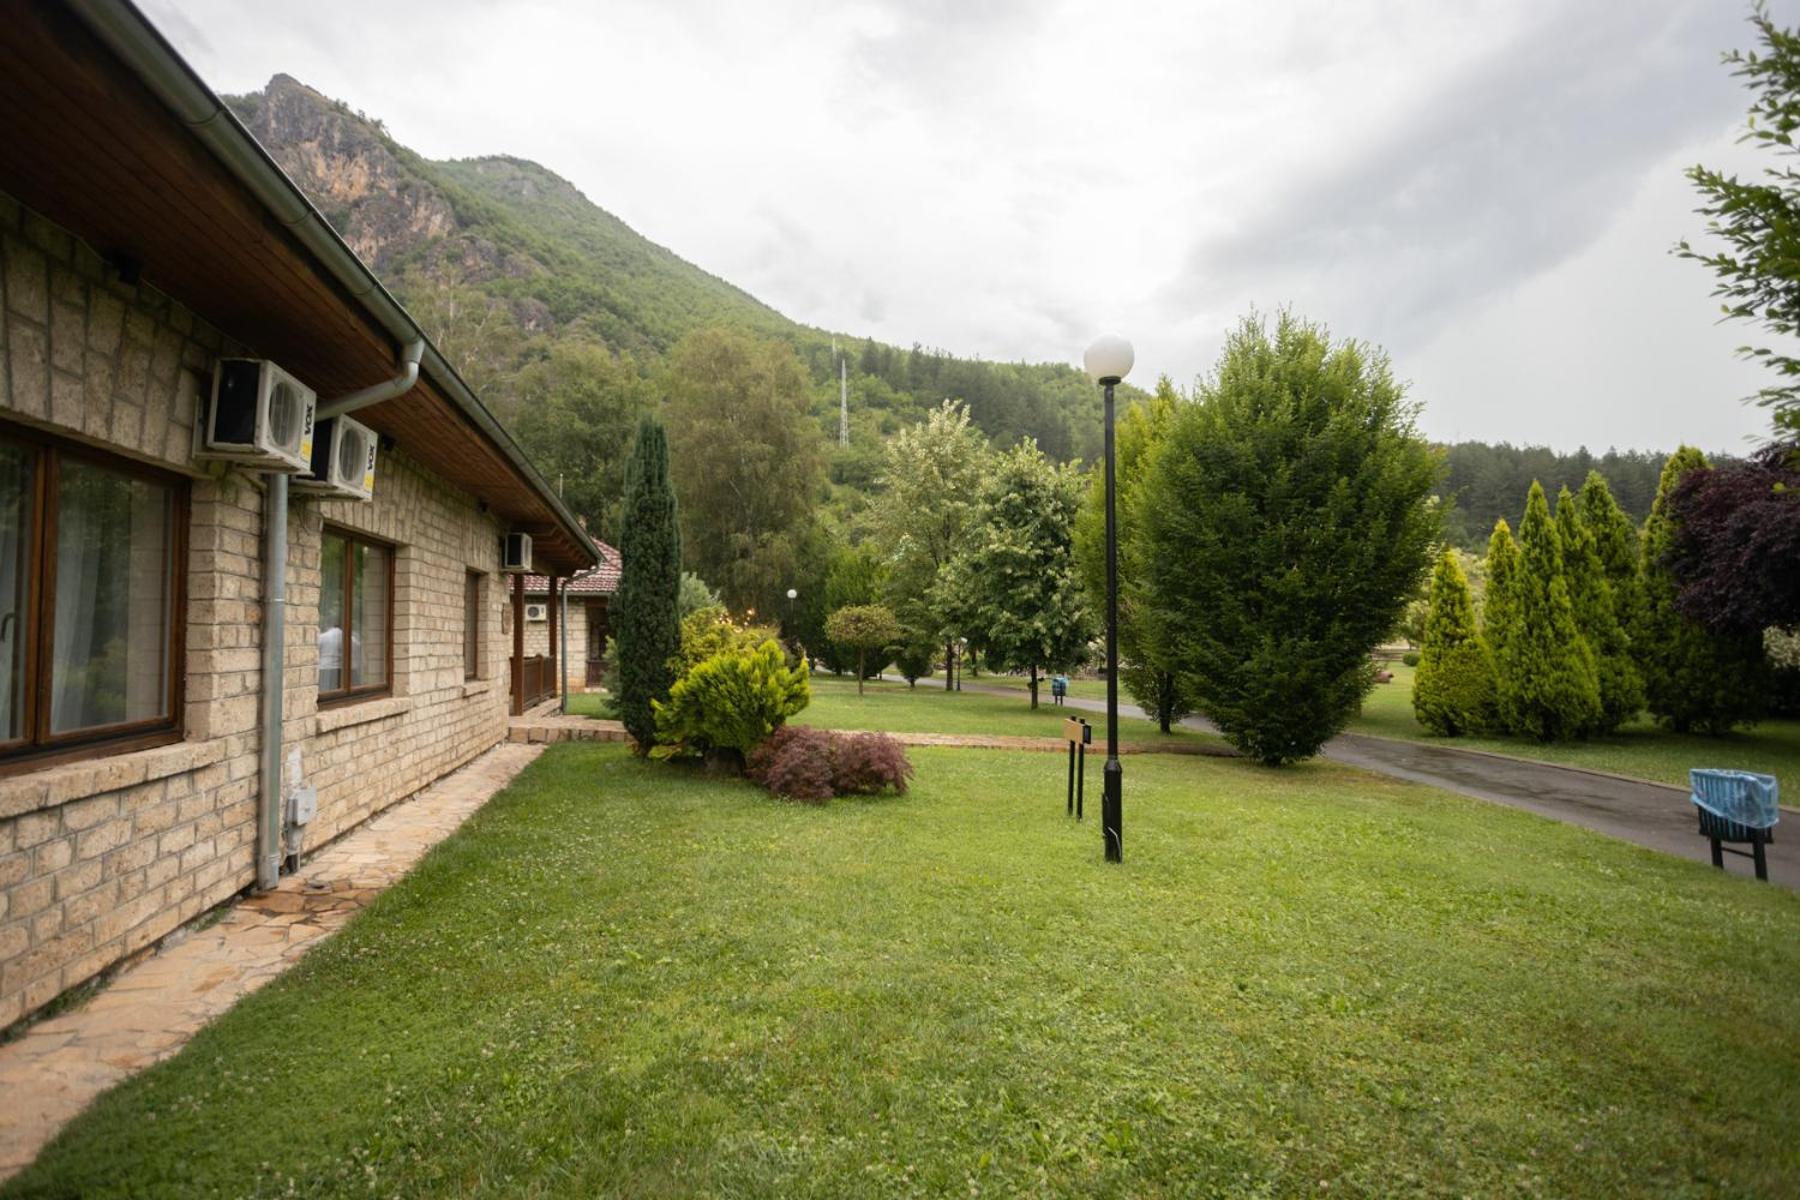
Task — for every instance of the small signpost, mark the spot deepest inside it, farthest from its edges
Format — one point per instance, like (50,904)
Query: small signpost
(1080,735)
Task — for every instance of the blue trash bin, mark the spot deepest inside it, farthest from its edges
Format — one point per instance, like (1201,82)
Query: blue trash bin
(1736,806)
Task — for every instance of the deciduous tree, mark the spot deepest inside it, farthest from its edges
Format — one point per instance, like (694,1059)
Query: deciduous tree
(1012,587)
(1736,549)
(578,412)
(862,628)
(747,461)
(929,484)
(1694,678)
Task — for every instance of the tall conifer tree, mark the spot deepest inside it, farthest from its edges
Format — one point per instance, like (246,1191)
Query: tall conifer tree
(1500,603)
(1621,689)
(1616,542)
(1694,679)
(645,612)
(1453,693)
(1548,686)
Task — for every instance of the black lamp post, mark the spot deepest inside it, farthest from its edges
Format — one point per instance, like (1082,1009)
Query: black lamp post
(1108,361)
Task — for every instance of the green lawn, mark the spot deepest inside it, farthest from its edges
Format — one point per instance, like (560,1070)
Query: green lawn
(1640,749)
(588,704)
(623,978)
(1087,689)
(896,708)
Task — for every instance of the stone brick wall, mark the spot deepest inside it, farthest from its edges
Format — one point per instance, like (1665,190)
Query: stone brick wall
(537,635)
(100,858)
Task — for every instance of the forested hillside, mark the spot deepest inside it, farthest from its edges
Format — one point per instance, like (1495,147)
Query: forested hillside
(1486,482)
(520,279)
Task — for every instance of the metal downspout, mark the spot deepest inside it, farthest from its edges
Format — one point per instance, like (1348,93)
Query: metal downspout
(562,639)
(270,813)
(407,361)
(274,678)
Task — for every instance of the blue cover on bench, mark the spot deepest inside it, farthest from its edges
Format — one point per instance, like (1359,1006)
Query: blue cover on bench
(1743,797)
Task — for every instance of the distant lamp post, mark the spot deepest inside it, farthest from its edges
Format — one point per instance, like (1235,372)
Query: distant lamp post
(1108,361)
(792,595)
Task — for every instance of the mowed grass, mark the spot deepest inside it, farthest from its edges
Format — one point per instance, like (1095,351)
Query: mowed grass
(895,708)
(1086,689)
(623,978)
(1640,749)
(589,704)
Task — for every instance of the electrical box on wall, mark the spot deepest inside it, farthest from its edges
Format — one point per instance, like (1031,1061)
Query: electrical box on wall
(515,553)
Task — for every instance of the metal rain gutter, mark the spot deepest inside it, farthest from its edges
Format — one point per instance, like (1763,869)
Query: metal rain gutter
(140,46)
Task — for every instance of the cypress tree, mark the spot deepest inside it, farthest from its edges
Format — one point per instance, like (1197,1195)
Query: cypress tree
(1694,679)
(1500,605)
(1548,686)
(1453,692)
(1616,542)
(645,612)
(1621,689)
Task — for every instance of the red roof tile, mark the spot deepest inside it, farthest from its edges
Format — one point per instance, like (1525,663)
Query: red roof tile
(602,581)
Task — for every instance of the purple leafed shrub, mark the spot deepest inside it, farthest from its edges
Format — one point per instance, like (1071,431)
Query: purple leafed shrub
(813,765)
(869,762)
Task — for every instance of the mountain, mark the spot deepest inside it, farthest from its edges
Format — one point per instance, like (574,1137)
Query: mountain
(502,261)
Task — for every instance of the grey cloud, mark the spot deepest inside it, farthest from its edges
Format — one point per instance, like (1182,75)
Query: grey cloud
(1510,169)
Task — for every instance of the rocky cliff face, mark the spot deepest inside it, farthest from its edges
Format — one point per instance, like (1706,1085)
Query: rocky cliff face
(379,205)
(491,253)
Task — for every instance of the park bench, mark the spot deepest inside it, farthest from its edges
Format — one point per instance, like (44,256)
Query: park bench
(1736,806)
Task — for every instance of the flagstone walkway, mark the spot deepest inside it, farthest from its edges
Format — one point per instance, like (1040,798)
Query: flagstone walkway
(1009,741)
(151,1009)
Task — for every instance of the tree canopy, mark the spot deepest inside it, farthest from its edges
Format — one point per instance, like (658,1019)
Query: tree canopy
(1287,521)
(1758,222)
(747,462)
(1012,587)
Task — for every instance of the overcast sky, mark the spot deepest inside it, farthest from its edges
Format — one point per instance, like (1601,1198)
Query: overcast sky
(1487,189)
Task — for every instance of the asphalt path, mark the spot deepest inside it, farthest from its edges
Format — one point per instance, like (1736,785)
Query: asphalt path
(1649,814)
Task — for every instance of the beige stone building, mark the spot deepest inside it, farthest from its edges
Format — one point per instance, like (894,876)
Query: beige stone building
(584,603)
(148,770)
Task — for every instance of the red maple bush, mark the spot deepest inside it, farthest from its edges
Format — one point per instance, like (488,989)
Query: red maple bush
(813,765)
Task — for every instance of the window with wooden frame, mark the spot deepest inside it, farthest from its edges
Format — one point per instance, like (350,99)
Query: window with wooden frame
(472,593)
(91,592)
(356,617)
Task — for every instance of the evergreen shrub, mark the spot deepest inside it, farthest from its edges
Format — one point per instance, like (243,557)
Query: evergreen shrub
(1453,693)
(732,701)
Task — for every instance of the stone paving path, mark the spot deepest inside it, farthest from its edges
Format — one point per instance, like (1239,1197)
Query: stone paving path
(985,741)
(555,727)
(151,1009)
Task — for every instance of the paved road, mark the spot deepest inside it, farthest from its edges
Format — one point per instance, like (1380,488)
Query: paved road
(1649,814)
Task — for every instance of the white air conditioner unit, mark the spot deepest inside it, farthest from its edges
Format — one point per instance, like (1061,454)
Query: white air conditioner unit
(537,612)
(515,553)
(343,460)
(258,415)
